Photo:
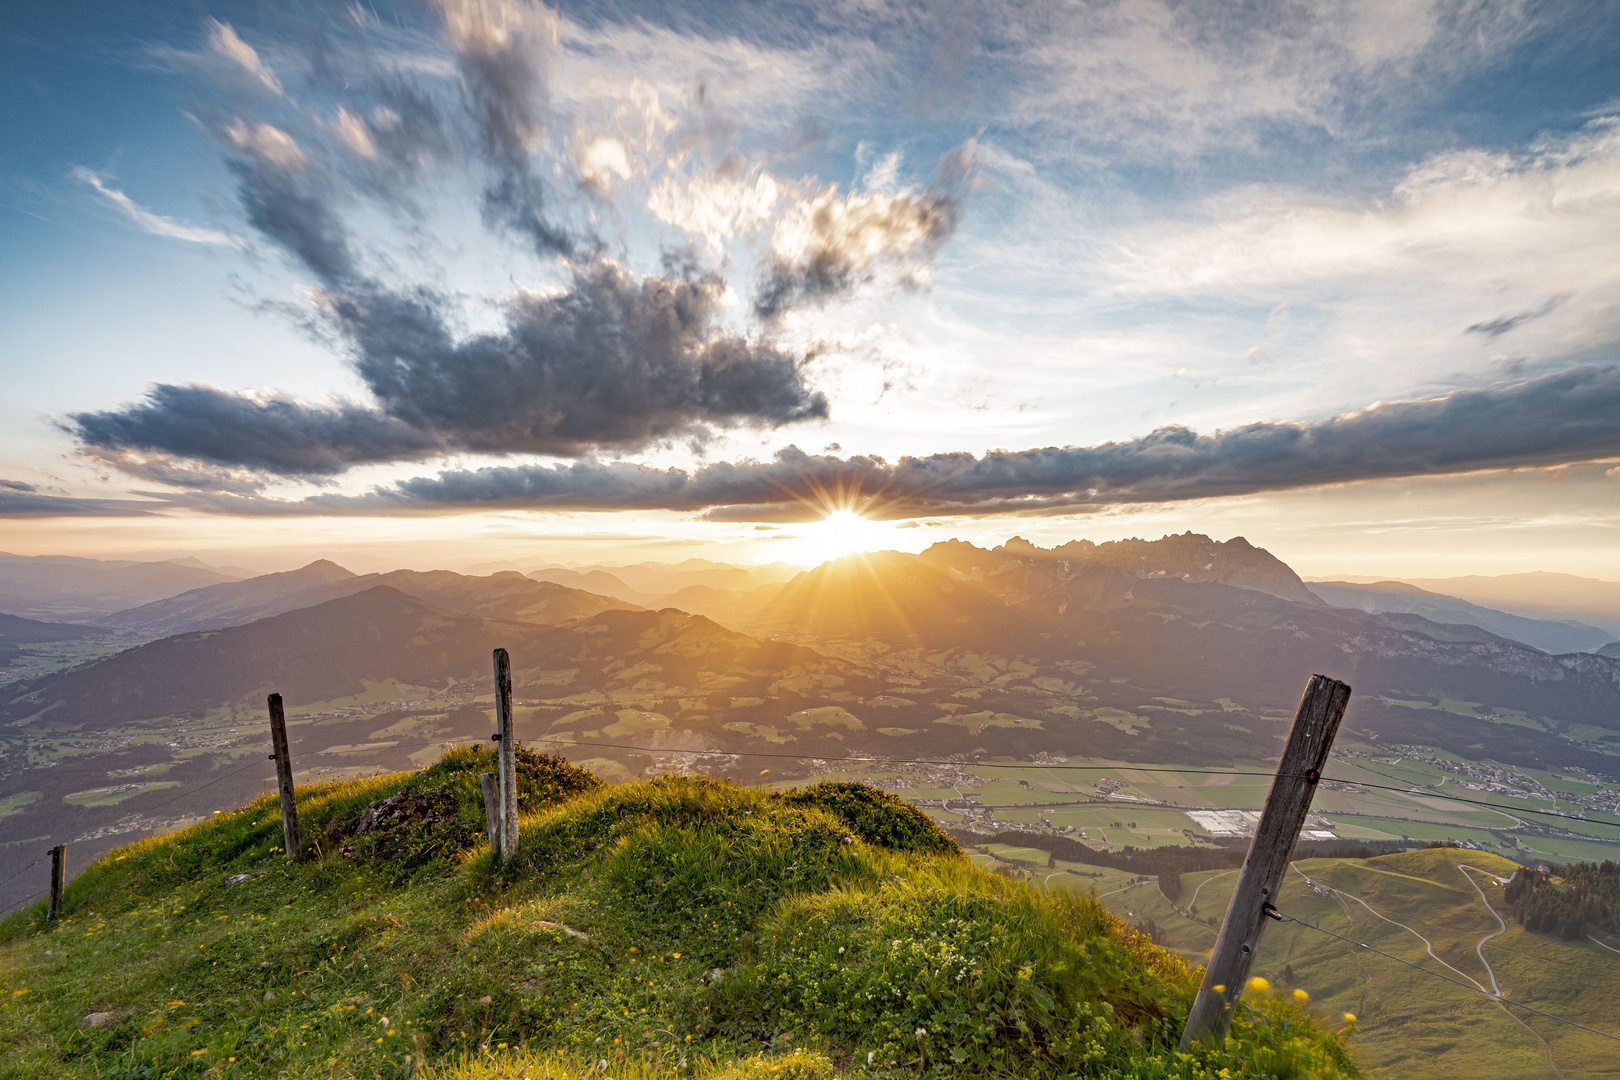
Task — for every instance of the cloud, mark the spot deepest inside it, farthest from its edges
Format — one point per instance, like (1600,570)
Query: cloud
(290,199)
(1499,326)
(1557,419)
(717,204)
(19,500)
(596,358)
(223,40)
(613,360)
(825,245)
(355,134)
(272,433)
(501,48)
(156,224)
(1467,213)
(1158,79)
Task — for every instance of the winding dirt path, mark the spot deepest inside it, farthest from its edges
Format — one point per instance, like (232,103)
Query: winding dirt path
(1479,949)
(1463,868)
(1201,884)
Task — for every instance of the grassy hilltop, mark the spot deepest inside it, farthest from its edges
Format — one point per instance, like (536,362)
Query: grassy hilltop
(674,928)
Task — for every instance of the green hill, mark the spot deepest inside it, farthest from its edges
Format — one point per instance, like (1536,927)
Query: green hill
(679,927)
(1445,909)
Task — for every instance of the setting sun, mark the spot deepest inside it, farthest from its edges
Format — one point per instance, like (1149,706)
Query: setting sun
(843,532)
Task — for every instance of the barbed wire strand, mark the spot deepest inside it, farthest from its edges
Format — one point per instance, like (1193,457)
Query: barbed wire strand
(1446,978)
(24,900)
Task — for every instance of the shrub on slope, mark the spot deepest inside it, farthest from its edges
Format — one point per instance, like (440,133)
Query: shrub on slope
(678,927)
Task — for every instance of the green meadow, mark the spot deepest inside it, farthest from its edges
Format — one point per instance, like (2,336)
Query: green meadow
(679,927)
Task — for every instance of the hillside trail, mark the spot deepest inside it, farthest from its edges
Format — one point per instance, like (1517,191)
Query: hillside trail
(1463,868)
(1429,947)
(1194,899)
(1127,888)
(1479,949)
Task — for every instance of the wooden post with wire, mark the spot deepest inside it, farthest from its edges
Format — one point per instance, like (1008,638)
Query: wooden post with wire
(507,750)
(1315,723)
(284,777)
(58,881)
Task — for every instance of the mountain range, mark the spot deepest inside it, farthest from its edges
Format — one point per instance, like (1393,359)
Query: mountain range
(61,587)
(1538,595)
(505,595)
(1397,597)
(1124,649)
(1180,650)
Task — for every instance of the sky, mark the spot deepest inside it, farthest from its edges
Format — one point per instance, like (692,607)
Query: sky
(476,281)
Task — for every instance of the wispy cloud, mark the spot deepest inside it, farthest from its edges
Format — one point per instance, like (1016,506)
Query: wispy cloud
(1502,324)
(1154,79)
(223,39)
(18,500)
(156,224)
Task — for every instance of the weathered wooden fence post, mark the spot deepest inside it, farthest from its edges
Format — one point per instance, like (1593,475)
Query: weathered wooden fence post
(1316,722)
(58,881)
(508,754)
(492,810)
(284,777)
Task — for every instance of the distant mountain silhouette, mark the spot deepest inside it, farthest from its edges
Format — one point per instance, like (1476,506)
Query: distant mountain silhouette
(60,587)
(600,582)
(16,632)
(657,585)
(1136,651)
(1562,636)
(1538,595)
(955,590)
(235,602)
(506,595)
(335,649)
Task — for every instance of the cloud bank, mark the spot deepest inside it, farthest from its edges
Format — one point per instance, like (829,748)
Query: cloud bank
(1557,419)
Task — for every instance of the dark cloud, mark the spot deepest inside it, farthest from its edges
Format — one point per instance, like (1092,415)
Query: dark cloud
(19,500)
(1557,419)
(611,361)
(501,51)
(275,434)
(1499,326)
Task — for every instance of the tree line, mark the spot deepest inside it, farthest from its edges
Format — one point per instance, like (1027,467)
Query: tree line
(1569,901)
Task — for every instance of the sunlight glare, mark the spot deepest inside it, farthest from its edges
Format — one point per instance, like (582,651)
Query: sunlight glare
(844,532)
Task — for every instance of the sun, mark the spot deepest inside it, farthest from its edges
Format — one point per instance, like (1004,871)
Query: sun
(844,532)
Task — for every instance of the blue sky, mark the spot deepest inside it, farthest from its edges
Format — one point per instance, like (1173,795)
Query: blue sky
(1337,276)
